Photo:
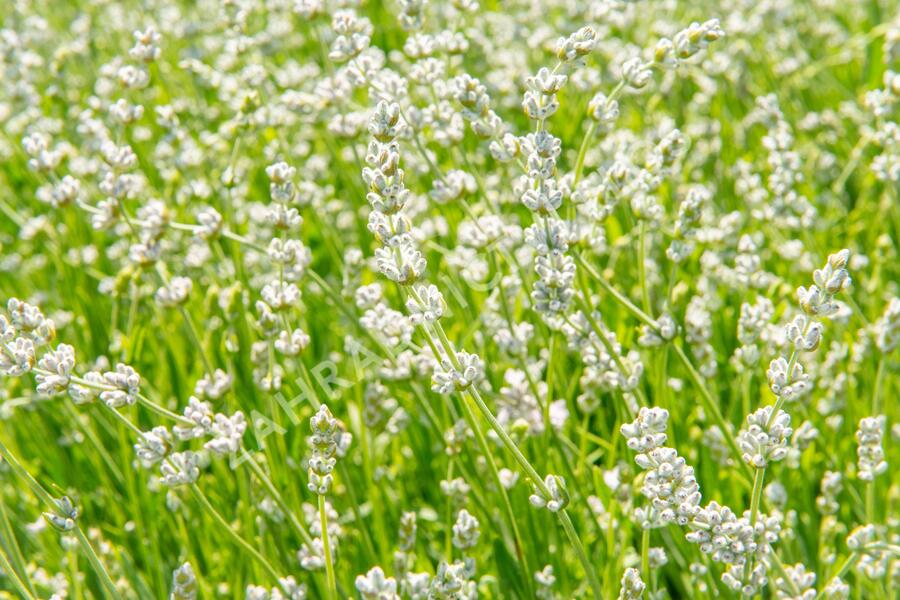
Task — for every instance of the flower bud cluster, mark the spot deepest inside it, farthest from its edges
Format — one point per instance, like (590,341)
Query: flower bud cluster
(453,581)
(870,453)
(184,583)
(326,434)
(374,585)
(287,589)
(65,515)
(785,206)
(687,222)
(181,468)
(881,102)
(558,497)
(465,530)
(457,375)
(669,483)
(766,438)
(663,332)
(398,259)
(632,587)
(753,322)
(831,487)
(786,377)
(873,560)
(800,586)
(887,328)
(607,367)
(818,300)
(698,330)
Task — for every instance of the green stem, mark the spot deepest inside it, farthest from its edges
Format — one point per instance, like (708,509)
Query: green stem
(10,573)
(756,497)
(580,553)
(645,555)
(485,450)
(47,499)
(253,552)
(642,267)
(755,500)
(523,463)
(779,566)
(582,151)
(619,297)
(507,506)
(712,408)
(162,411)
(845,566)
(195,335)
(9,537)
(879,382)
(278,498)
(95,562)
(326,547)
(541,487)
(870,501)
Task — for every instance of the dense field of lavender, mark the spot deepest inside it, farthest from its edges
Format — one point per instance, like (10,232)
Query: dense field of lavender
(449,299)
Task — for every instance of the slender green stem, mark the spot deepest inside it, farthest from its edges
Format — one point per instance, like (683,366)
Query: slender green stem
(47,499)
(162,411)
(645,555)
(448,534)
(756,496)
(582,151)
(845,566)
(779,566)
(326,548)
(870,501)
(195,335)
(485,450)
(879,384)
(95,562)
(8,536)
(755,500)
(511,446)
(504,496)
(520,458)
(278,498)
(712,408)
(217,516)
(36,487)
(616,294)
(642,266)
(586,564)
(10,573)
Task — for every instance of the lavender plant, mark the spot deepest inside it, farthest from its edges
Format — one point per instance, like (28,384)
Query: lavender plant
(449,300)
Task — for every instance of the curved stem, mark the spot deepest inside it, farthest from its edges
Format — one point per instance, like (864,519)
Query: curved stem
(845,566)
(779,566)
(11,574)
(8,537)
(95,562)
(47,499)
(524,464)
(507,506)
(712,408)
(204,501)
(619,297)
(278,498)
